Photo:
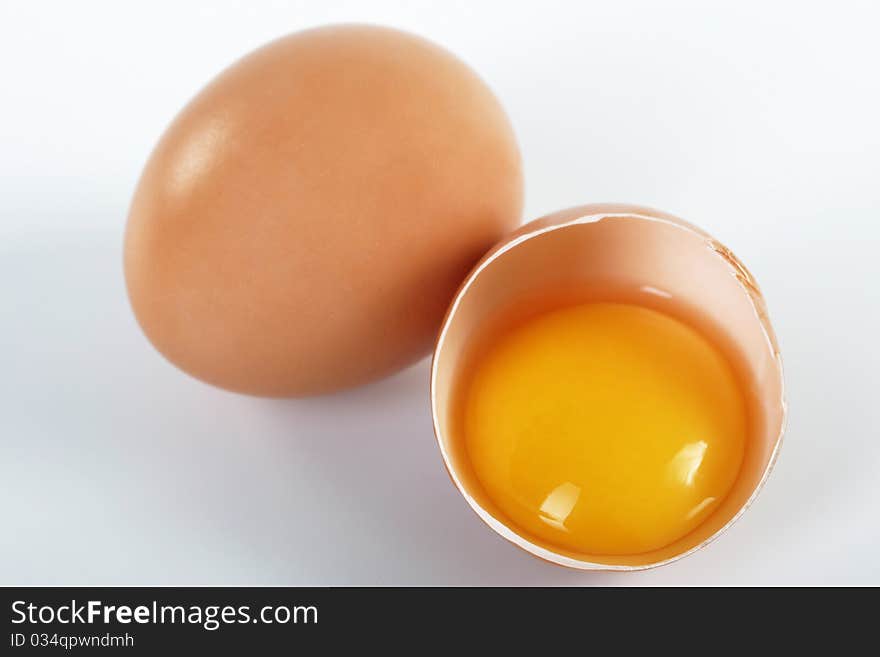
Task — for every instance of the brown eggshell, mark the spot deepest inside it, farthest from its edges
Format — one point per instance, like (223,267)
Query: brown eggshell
(304,222)
(616,246)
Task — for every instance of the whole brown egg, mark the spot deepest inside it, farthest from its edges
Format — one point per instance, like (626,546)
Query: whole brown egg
(303,223)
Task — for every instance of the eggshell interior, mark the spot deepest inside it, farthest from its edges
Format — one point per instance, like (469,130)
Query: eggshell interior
(633,247)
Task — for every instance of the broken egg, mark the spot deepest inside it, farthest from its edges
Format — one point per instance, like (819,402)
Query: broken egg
(607,389)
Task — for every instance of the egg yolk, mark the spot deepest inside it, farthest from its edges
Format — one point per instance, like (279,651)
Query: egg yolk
(604,428)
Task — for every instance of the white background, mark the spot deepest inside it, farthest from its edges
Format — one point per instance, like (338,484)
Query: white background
(759,121)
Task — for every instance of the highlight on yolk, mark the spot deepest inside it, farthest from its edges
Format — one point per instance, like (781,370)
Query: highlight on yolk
(603,428)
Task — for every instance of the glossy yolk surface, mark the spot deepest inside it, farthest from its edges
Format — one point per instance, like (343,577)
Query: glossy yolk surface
(604,428)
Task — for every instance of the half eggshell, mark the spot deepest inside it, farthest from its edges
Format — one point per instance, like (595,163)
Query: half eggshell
(620,247)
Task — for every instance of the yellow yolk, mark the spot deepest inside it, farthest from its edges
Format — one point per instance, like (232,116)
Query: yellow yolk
(604,428)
